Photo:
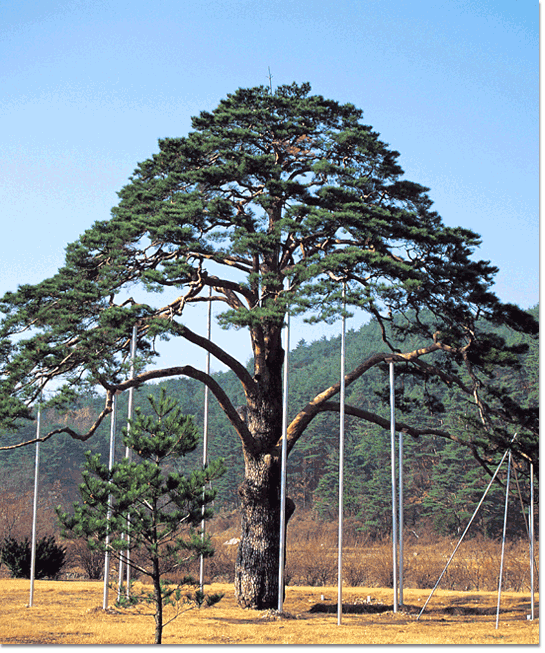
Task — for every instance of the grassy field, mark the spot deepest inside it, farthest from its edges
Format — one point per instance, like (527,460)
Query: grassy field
(70,612)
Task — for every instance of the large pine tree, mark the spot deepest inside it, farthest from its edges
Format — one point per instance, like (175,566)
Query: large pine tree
(275,201)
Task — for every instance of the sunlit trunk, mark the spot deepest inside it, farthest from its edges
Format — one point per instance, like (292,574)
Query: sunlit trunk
(256,569)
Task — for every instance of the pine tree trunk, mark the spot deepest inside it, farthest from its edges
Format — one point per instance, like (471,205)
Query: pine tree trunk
(158,602)
(257,563)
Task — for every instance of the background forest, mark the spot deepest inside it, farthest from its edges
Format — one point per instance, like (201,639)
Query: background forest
(443,482)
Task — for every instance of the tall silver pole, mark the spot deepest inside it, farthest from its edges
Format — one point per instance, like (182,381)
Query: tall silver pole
(401,518)
(531,525)
(128,456)
(120,578)
(205,426)
(109,512)
(283,469)
(35,508)
(393,459)
(341,468)
(503,538)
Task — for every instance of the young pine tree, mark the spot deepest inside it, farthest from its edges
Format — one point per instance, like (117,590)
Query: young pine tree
(158,510)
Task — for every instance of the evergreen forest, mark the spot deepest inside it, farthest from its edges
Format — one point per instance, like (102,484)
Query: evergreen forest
(443,480)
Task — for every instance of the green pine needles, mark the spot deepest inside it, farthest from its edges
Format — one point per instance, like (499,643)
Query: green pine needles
(147,507)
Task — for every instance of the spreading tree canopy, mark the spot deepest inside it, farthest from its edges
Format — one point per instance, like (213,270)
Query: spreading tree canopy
(274,202)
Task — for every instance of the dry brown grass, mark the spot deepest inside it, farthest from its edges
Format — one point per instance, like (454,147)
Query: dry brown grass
(70,612)
(312,560)
(462,611)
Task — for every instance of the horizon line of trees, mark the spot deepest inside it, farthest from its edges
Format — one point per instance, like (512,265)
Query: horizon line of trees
(443,481)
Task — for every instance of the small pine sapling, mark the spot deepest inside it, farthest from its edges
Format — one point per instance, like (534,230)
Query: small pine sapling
(157,508)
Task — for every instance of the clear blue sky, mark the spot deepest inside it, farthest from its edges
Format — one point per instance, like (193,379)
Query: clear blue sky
(88,86)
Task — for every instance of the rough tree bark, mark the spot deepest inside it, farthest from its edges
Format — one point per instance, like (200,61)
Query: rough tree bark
(256,568)
(257,563)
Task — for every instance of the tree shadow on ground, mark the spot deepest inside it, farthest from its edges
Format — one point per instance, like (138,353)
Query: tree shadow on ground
(374,608)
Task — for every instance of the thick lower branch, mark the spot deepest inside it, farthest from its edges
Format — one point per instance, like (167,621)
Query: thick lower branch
(186,370)
(385,423)
(232,363)
(303,418)
(218,392)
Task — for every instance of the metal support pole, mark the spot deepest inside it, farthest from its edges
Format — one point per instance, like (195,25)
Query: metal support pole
(128,452)
(120,579)
(35,509)
(341,468)
(503,538)
(128,456)
(393,458)
(283,470)
(109,512)
(400,518)
(205,428)
(531,524)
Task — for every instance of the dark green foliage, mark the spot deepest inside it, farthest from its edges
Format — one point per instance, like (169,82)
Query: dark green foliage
(50,557)
(156,509)
(443,482)
(455,490)
(431,482)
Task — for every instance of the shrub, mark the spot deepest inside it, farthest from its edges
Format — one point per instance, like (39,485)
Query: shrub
(312,564)
(50,558)
(91,562)
(220,568)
